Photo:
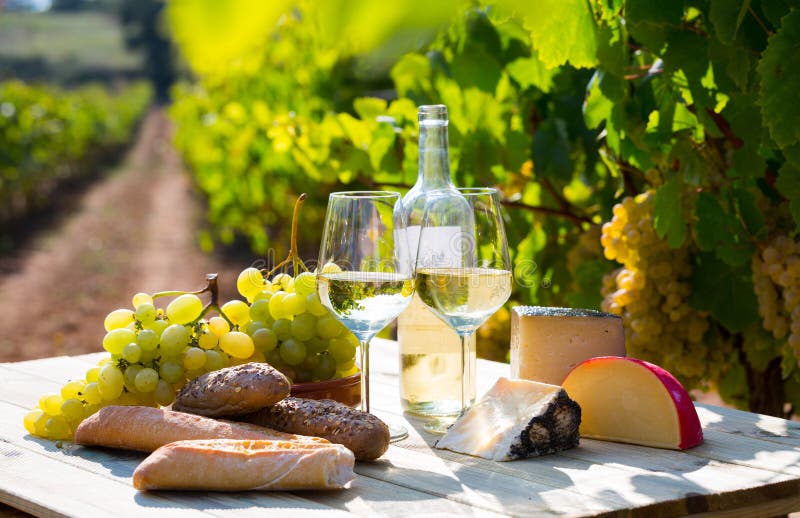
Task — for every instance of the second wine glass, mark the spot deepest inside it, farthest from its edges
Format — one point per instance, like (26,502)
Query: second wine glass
(366,271)
(466,278)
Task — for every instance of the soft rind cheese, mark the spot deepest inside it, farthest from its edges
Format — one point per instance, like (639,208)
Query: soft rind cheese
(516,419)
(546,343)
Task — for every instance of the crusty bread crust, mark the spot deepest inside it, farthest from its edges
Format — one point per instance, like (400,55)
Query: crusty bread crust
(147,429)
(233,390)
(362,433)
(232,465)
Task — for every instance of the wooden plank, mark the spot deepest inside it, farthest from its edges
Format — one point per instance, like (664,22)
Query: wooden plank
(653,481)
(738,422)
(41,486)
(365,497)
(479,488)
(778,507)
(716,473)
(108,471)
(23,389)
(627,475)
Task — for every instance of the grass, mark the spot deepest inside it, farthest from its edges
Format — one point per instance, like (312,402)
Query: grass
(64,47)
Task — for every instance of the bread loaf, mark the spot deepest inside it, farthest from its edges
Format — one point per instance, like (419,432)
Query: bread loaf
(231,465)
(146,429)
(362,433)
(233,390)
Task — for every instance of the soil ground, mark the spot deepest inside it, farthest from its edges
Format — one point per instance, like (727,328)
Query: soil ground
(133,230)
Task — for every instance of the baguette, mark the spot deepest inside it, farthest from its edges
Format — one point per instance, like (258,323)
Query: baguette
(146,429)
(362,433)
(233,390)
(232,465)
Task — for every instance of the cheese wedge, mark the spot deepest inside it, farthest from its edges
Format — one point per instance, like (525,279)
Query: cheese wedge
(546,343)
(516,419)
(633,401)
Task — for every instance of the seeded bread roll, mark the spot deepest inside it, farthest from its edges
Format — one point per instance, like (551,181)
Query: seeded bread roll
(231,465)
(146,429)
(233,391)
(362,433)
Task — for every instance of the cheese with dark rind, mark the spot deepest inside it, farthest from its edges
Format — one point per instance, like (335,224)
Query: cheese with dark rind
(516,419)
(546,342)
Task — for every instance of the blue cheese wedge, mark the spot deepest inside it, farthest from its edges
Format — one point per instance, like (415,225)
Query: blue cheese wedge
(516,419)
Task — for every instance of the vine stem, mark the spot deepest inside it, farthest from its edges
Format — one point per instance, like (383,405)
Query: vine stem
(212,287)
(575,218)
(759,21)
(293,256)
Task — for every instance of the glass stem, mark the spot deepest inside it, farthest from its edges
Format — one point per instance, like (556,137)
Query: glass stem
(464,370)
(364,375)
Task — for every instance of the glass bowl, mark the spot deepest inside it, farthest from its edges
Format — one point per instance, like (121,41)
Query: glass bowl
(345,390)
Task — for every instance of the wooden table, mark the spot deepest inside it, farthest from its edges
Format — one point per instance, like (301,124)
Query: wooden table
(749,465)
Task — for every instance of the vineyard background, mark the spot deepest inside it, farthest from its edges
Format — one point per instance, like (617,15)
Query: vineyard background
(647,152)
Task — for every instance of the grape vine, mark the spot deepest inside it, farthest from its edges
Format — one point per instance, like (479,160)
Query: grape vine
(674,123)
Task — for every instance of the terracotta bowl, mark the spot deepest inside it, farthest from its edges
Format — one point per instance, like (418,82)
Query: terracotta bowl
(344,390)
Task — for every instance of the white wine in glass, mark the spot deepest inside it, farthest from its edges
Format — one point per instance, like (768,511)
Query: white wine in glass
(366,269)
(466,279)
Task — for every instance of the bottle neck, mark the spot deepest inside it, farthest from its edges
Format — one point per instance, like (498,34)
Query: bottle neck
(434,158)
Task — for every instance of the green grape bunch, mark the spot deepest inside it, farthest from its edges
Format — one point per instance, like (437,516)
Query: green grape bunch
(154,351)
(776,280)
(650,291)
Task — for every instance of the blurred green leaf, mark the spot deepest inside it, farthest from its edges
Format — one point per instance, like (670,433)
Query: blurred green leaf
(563,31)
(528,72)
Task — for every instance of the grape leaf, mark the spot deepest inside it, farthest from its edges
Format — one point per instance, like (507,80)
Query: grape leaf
(737,62)
(711,219)
(720,231)
(551,150)
(597,107)
(688,52)
(774,10)
(369,108)
(725,292)
(744,118)
(780,82)
(562,30)
(612,53)
(727,16)
(476,67)
(215,37)
(668,213)
(788,183)
(651,20)
(531,71)
(748,210)
(409,72)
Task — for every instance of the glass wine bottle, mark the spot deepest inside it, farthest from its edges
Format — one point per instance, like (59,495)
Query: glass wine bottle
(430,351)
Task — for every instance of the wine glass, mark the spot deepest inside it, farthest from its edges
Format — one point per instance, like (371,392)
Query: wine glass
(466,278)
(366,269)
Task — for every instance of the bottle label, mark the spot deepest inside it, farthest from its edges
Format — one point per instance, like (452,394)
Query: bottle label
(445,245)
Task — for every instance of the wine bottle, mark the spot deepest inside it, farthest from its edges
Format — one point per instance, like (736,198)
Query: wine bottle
(430,351)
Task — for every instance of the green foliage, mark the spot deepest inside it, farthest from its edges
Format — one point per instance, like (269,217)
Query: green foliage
(49,135)
(779,86)
(691,101)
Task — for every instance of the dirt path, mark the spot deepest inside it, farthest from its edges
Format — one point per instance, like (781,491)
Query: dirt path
(134,230)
